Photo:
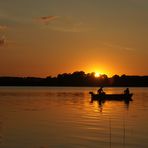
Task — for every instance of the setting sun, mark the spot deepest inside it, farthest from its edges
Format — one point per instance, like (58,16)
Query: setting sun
(97,74)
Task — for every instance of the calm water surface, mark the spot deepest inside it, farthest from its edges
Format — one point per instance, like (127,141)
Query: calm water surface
(48,117)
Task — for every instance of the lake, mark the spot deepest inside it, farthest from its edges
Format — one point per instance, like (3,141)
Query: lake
(65,117)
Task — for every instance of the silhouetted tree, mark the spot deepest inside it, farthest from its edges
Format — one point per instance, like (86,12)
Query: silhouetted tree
(78,78)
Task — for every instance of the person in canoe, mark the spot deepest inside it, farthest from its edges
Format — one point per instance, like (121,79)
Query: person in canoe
(126,91)
(100,90)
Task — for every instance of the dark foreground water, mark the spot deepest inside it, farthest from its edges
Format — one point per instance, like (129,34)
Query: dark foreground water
(45,117)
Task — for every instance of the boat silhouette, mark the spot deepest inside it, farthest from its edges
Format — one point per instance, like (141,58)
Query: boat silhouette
(116,97)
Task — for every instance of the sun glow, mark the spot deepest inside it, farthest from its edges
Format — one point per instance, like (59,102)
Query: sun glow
(97,74)
(99,70)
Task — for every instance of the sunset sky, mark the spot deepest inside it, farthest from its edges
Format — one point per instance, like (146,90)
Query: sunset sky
(47,37)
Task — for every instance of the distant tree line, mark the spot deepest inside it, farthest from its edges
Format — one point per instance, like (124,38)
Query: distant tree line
(78,78)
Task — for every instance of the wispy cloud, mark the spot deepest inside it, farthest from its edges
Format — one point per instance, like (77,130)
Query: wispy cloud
(68,27)
(63,24)
(118,47)
(46,19)
(2,40)
(2,37)
(5,42)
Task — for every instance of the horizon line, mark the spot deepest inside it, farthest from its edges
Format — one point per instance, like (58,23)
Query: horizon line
(54,76)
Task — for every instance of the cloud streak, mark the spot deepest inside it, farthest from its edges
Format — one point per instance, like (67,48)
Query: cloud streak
(73,27)
(46,19)
(119,47)
(2,41)
(63,24)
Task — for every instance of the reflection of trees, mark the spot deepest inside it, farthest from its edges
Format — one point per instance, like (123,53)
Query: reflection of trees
(78,78)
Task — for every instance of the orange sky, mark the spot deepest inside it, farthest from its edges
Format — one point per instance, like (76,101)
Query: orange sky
(52,36)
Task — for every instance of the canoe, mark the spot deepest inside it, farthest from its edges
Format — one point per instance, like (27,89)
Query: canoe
(120,97)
